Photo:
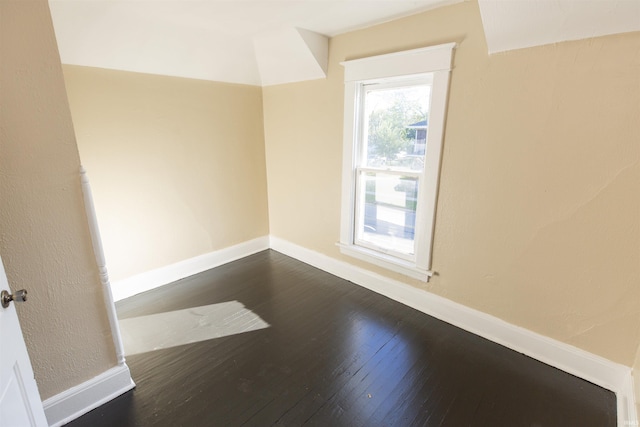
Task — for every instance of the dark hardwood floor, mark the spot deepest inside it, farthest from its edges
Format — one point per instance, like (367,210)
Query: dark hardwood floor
(335,354)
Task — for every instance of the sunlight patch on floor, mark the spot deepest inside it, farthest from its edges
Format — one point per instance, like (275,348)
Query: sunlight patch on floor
(174,328)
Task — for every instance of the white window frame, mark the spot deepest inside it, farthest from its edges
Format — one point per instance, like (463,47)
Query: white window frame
(399,67)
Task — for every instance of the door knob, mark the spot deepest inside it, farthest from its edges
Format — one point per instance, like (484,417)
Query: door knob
(6,297)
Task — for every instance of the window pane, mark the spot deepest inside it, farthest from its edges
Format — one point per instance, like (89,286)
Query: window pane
(387,211)
(395,127)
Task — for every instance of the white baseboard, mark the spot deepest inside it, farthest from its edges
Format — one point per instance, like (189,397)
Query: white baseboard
(163,276)
(573,360)
(598,370)
(78,400)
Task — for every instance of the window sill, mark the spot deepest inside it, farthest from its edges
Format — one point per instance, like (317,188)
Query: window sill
(389,262)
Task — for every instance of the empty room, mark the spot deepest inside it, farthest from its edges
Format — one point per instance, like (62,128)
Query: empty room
(329,213)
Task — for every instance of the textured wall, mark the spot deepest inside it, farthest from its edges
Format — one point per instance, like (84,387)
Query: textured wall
(176,165)
(538,219)
(44,237)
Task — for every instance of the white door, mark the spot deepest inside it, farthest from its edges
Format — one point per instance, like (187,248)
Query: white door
(20,404)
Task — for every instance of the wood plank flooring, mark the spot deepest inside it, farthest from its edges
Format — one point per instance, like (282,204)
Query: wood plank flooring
(335,354)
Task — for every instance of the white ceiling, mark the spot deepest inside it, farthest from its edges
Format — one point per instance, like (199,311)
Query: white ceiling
(519,24)
(265,42)
(211,39)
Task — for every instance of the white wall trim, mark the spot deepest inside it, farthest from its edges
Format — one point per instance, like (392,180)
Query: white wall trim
(78,400)
(613,376)
(163,276)
(98,252)
(429,66)
(627,409)
(593,368)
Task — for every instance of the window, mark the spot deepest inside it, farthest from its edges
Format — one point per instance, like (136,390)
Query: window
(394,120)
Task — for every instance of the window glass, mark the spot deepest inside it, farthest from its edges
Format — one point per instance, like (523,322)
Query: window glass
(394,133)
(387,213)
(395,126)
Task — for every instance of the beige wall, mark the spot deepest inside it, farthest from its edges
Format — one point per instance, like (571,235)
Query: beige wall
(538,219)
(44,237)
(176,165)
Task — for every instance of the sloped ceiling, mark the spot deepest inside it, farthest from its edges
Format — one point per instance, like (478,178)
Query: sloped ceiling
(266,42)
(256,42)
(517,24)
